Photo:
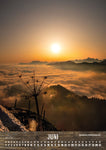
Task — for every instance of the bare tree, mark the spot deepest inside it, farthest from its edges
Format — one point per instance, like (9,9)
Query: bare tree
(33,91)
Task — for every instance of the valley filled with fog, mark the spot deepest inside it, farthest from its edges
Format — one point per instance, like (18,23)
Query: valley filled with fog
(89,83)
(64,94)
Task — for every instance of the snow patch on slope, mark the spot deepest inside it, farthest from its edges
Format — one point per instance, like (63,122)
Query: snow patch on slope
(8,122)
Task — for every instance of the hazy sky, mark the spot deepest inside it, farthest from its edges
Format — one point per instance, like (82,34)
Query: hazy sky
(28,28)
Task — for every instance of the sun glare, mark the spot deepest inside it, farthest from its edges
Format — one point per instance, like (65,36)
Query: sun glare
(55,48)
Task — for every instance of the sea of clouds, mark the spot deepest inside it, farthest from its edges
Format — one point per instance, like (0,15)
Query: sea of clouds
(89,83)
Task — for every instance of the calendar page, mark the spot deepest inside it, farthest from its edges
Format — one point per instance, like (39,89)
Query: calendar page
(53,74)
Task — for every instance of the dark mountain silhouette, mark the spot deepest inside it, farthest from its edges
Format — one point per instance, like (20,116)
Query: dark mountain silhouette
(84,66)
(69,111)
(38,62)
(76,112)
(62,63)
(91,64)
(103,62)
(89,60)
(33,63)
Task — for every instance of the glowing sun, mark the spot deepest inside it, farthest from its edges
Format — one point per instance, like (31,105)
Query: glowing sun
(55,48)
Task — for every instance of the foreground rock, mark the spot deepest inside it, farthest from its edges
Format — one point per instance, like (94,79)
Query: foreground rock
(8,122)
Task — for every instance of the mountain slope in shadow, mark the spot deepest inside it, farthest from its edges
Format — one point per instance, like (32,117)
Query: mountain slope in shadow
(69,111)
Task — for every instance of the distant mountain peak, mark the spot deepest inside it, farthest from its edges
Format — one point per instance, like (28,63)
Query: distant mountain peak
(34,62)
(89,60)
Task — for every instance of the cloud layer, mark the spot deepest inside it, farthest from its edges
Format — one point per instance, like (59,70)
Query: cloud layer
(88,83)
(91,84)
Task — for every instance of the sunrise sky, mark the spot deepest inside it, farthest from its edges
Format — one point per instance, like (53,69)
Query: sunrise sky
(30,28)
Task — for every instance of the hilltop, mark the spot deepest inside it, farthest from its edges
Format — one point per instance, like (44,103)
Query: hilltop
(69,111)
(74,112)
(65,111)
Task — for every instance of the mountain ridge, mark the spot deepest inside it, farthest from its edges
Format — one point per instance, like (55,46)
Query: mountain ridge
(83,66)
(68,111)
(75,112)
(71,112)
(87,60)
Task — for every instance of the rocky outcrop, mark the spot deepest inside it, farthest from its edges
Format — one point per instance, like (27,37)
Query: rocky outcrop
(8,122)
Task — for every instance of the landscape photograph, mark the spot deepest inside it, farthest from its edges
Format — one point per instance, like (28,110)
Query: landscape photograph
(52,65)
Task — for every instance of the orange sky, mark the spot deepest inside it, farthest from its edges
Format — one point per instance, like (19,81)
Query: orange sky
(29,28)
